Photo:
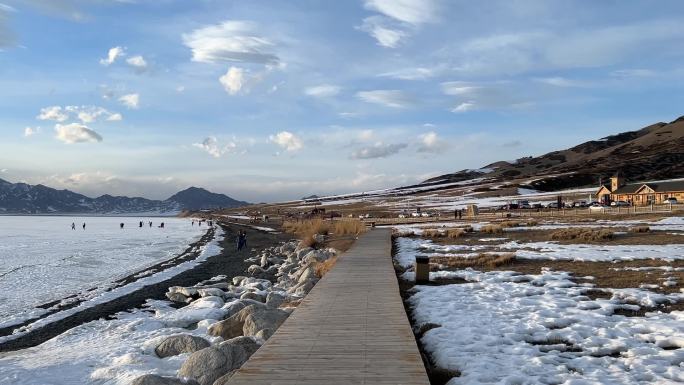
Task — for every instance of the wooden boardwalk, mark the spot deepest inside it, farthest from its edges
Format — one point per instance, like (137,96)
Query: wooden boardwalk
(350,329)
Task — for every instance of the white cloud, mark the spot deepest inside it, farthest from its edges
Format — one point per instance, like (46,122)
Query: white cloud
(231,41)
(113,54)
(366,135)
(322,90)
(130,100)
(416,73)
(389,98)
(633,73)
(430,142)
(90,114)
(233,80)
(76,133)
(30,131)
(386,36)
(378,150)
(464,107)
(288,141)
(558,81)
(414,12)
(53,113)
(138,62)
(212,147)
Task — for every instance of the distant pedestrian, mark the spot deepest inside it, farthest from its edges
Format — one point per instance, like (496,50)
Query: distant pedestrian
(73,226)
(121,225)
(460,213)
(241,240)
(141,224)
(456,214)
(161,225)
(83,225)
(150,223)
(193,222)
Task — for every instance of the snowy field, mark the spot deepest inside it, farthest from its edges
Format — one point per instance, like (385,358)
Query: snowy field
(115,351)
(42,259)
(504,327)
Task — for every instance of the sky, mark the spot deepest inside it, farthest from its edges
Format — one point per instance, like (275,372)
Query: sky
(275,100)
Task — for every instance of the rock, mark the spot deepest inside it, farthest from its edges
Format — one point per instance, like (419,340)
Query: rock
(153,379)
(263,319)
(237,280)
(208,365)
(211,291)
(253,296)
(302,252)
(223,380)
(264,260)
(274,300)
(177,297)
(230,327)
(208,302)
(319,238)
(178,344)
(186,291)
(264,334)
(302,288)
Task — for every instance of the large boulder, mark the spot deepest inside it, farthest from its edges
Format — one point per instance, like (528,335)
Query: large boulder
(186,291)
(223,380)
(264,319)
(209,364)
(230,327)
(210,292)
(153,379)
(177,297)
(178,344)
(237,280)
(253,296)
(274,300)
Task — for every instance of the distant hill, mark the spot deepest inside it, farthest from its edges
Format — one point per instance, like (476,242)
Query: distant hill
(22,198)
(651,153)
(195,198)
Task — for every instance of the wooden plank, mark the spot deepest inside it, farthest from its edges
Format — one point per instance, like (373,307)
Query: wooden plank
(350,329)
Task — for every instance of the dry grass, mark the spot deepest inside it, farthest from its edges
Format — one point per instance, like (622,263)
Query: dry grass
(305,230)
(481,260)
(506,224)
(492,229)
(433,233)
(582,234)
(532,222)
(640,229)
(468,228)
(455,233)
(321,268)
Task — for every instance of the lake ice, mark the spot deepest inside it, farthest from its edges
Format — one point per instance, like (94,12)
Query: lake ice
(42,259)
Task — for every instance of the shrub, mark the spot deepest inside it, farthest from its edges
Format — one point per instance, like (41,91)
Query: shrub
(583,234)
(640,229)
(492,229)
(321,268)
(455,233)
(433,233)
(306,229)
(532,223)
(505,224)
(482,260)
(468,228)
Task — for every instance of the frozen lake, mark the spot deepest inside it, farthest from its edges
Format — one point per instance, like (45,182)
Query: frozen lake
(42,259)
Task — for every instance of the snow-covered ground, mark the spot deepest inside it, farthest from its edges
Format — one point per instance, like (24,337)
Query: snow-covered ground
(116,351)
(505,328)
(42,259)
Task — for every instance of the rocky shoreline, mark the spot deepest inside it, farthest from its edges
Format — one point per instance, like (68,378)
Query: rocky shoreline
(239,314)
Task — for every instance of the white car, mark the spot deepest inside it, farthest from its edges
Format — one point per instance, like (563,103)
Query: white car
(415,215)
(597,207)
(424,215)
(619,204)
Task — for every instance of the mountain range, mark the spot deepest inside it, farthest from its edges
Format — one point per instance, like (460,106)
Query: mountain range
(651,153)
(22,198)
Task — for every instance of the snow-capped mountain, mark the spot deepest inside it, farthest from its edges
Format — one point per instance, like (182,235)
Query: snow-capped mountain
(22,198)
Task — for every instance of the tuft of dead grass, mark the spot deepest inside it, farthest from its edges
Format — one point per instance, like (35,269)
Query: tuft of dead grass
(531,223)
(582,234)
(455,233)
(433,233)
(480,261)
(321,268)
(492,229)
(640,229)
(307,229)
(506,224)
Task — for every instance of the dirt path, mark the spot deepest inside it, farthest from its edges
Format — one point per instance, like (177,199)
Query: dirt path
(228,262)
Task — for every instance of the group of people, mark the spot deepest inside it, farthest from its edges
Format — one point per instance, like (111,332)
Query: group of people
(73,226)
(458,213)
(210,223)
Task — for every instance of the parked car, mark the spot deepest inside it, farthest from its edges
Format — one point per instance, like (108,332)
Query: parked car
(415,214)
(537,206)
(596,206)
(524,205)
(579,204)
(552,205)
(619,204)
(424,215)
(671,200)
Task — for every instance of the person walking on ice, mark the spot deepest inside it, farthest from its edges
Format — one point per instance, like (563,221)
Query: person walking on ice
(73,226)
(83,225)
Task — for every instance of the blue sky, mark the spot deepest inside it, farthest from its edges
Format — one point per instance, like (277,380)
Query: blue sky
(272,100)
